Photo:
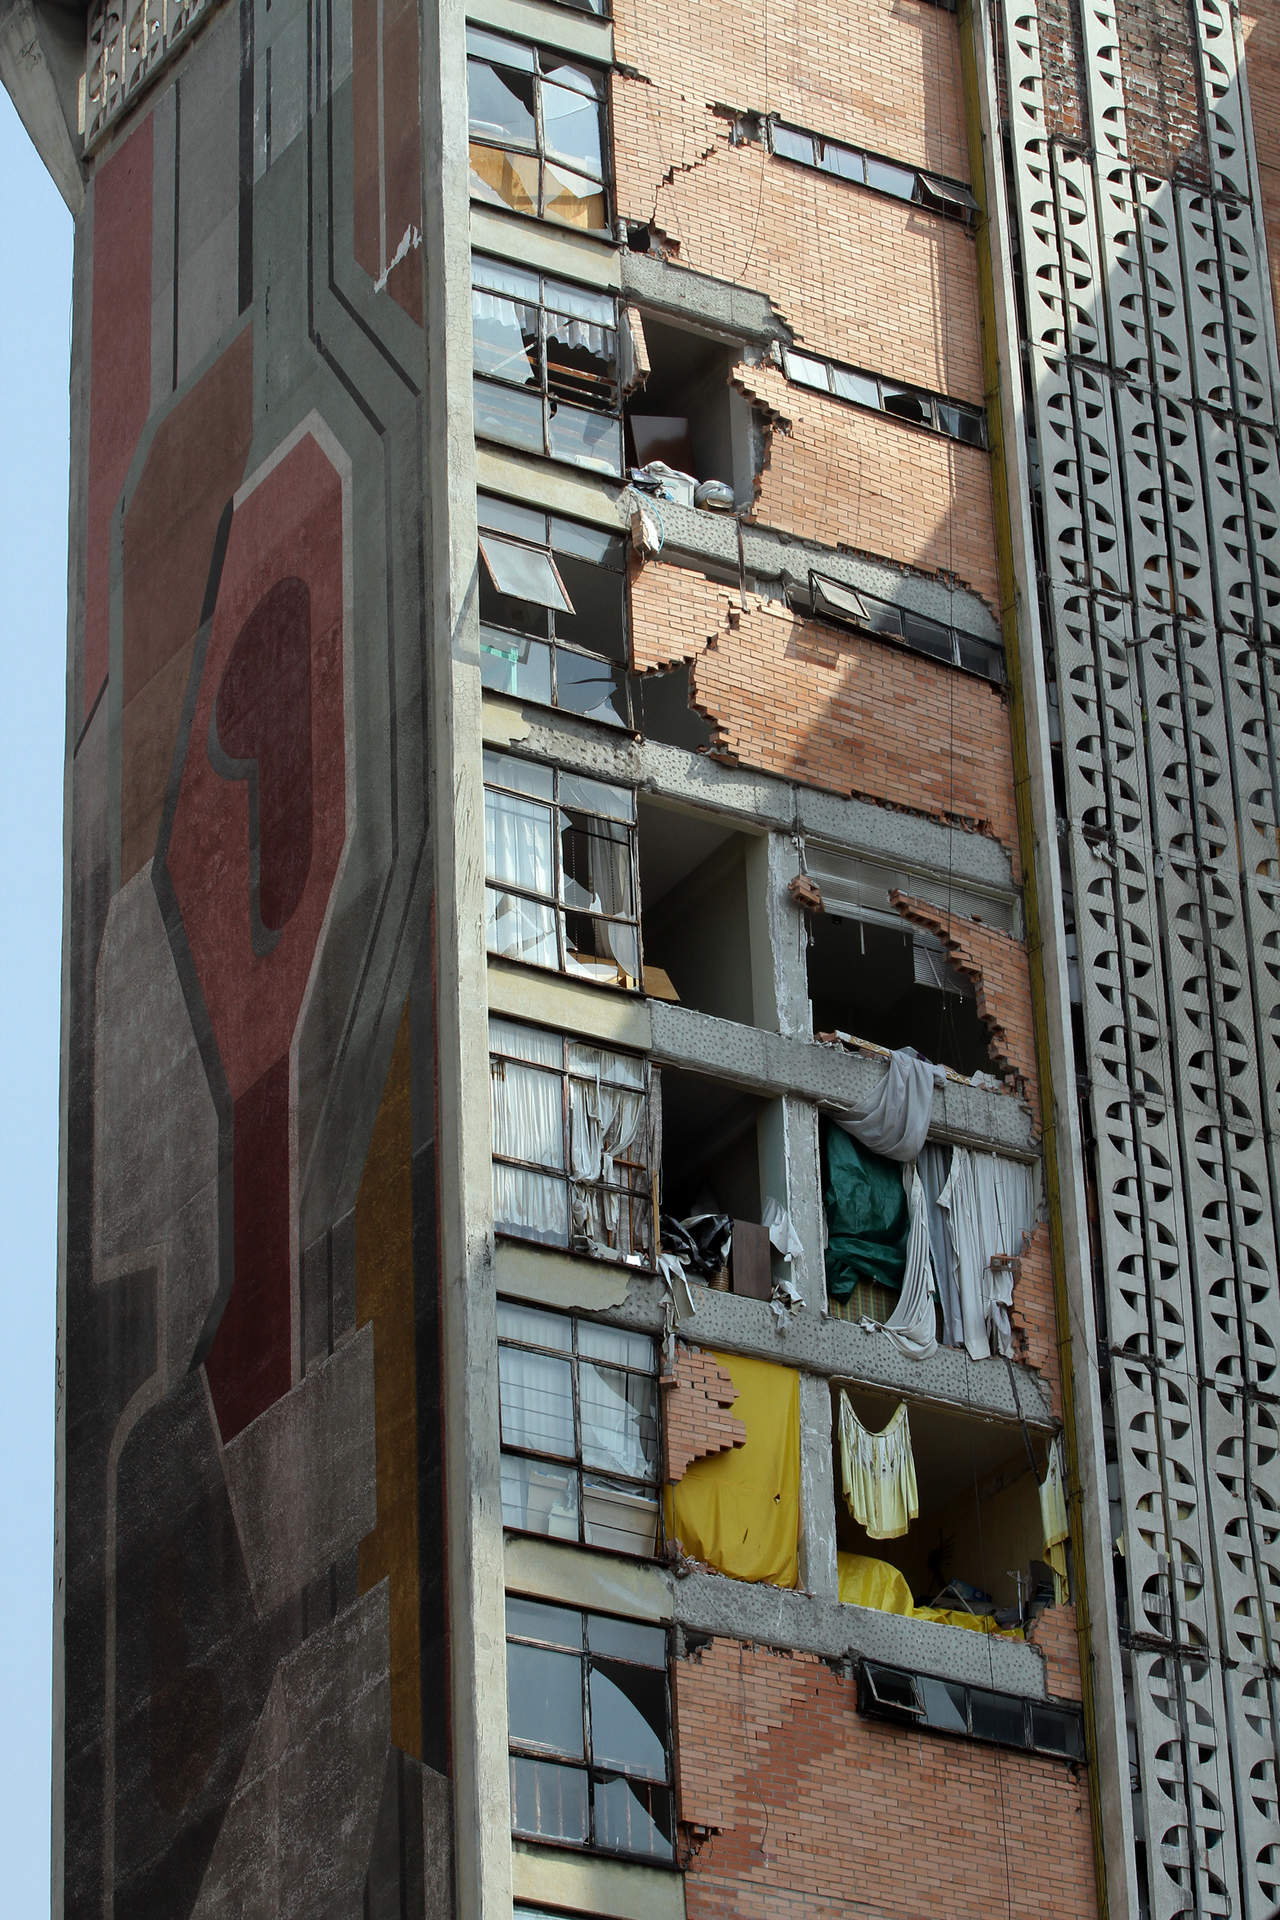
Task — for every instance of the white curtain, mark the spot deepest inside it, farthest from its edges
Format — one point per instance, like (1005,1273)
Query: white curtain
(618,1425)
(517,843)
(528,1124)
(604,1121)
(536,1396)
(990,1205)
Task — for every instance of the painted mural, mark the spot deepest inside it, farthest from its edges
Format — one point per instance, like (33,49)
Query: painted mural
(254,1579)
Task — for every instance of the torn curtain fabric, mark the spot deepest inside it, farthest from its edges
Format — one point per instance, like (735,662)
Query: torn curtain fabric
(897,1122)
(990,1206)
(739,1511)
(913,1325)
(867,1217)
(878,1472)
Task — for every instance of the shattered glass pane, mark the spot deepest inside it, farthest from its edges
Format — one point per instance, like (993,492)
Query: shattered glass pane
(597,796)
(504,337)
(632,1817)
(495,46)
(629,1718)
(501,104)
(601,949)
(503,179)
(905,405)
(594,688)
(520,929)
(586,439)
(571,125)
(573,199)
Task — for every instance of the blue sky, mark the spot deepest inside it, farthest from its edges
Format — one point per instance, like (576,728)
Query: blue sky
(35,345)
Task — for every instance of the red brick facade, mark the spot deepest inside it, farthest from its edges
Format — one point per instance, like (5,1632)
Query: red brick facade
(696,1417)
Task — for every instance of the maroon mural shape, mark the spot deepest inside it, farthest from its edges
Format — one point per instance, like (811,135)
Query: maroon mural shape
(263,717)
(258,828)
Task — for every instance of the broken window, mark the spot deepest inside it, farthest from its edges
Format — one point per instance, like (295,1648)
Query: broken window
(723,1157)
(545,355)
(537,131)
(560,870)
(572,1143)
(932,190)
(945,1706)
(684,414)
(936,1562)
(854,607)
(589,1725)
(954,418)
(553,624)
(695,884)
(578,1404)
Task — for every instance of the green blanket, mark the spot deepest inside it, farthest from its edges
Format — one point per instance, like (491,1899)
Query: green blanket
(866,1207)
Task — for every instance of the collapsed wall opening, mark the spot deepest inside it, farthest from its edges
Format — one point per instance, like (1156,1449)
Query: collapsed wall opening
(723,1157)
(973,1552)
(684,411)
(698,882)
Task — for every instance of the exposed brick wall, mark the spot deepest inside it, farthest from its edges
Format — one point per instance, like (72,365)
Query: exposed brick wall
(1162,109)
(809,702)
(828,254)
(1062,58)
(848,477)
(798,1808)
(1055,1634)
(884,75)
(997,965)
(1033,1314)
(696,1421)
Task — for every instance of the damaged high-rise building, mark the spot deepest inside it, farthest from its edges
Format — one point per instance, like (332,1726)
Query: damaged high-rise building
(669,1296)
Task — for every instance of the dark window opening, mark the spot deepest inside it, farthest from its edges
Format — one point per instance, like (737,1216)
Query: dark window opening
(578,1406)
(664,710)
(976,1546)
(975,1713)
(685,414)
(722,1157)
(557,635)
(694,900)
(589,1722)
(893,985)
(537,132)
(853,607)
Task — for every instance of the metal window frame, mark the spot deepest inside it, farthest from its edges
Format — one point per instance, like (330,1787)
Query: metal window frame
(539,148)
(556,901)
(886,389)
(577,1465)
(874,1707)
(545,306)
(957,637)
(953,199)
(588,1764)
(551,640)
(646,1197)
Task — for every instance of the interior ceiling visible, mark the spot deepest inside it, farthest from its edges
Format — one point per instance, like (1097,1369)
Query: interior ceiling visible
(672,844)
(952,1450)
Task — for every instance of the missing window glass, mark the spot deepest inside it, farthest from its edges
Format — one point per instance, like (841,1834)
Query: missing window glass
(891,1691)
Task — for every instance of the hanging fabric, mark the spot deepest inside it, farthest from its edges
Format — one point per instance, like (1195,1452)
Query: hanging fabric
(739,1510)
(897,1122)
(934,1168)
(990,1205)
(1053,1516)
(878,1472)
(913,1326)
(605,1119)
(866,1215)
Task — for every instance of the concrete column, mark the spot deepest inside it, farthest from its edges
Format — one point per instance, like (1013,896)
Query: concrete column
(817,1490)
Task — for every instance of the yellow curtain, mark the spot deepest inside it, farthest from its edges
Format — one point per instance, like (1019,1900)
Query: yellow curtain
(740,1510)
(865,1582)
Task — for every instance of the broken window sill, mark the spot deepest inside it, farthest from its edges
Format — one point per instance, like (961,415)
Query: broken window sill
(850,1043)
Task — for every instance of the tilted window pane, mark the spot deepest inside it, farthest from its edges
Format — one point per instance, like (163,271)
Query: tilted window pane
(504,610)
(633,1818)
(544,1699)
(548,1800)
(535,1393)
(520,929)
(539,1498)
(629,1718)
(944,1705)
(524,573)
